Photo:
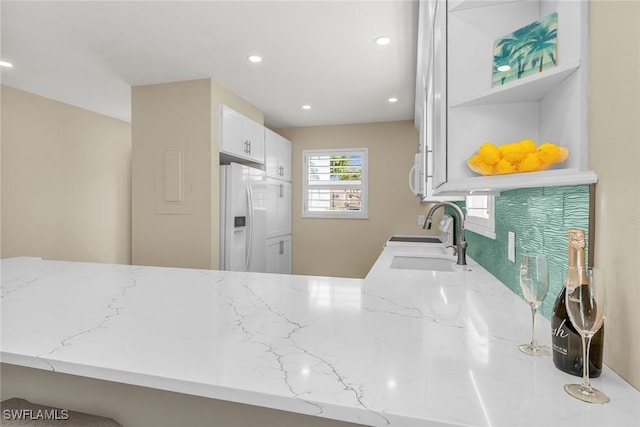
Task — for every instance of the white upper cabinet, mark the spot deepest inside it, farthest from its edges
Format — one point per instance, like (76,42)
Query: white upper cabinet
(277,157)
(549,106)
(241,137)
(430,107)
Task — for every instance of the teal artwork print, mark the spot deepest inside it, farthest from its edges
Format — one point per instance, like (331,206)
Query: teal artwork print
(528,50)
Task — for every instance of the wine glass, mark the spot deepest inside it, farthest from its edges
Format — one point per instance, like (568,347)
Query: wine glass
(534,281)
(585,301)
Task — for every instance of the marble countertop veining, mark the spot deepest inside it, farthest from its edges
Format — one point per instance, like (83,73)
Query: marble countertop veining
(400,347)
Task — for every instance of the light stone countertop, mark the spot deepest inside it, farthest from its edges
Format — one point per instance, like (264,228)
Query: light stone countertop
(401,347)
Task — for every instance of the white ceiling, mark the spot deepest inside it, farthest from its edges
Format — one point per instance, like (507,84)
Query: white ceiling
(89,54)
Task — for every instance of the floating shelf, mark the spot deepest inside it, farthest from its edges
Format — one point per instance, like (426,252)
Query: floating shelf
(498,183)
(530,89)
(456,5)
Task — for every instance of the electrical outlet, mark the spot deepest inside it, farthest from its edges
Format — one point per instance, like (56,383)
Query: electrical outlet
(421,219)
(511,246)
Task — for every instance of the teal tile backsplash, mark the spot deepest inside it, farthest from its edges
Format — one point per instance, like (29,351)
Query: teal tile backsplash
(540,218)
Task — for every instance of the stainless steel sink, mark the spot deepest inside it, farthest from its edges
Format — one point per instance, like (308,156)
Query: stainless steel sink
(428,263)
(415,239)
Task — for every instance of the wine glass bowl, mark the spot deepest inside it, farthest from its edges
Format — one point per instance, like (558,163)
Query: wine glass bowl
(585,301)
(534,282)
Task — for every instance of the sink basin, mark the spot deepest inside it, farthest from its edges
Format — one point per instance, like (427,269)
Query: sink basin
(429,263)
(415,239)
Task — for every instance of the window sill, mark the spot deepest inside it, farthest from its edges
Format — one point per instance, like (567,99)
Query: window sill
(335,216)
(475,228)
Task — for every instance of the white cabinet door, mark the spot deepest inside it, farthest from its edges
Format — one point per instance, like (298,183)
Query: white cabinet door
(285,256)
(430,168)
(254,135)
(231,140)
(437,100)
(278,251)
(278,207)
(284,208)
(277,156)
(271,153)
(285,160)
(240,136)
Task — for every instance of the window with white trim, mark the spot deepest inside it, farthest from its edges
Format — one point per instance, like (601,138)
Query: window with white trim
(480,215)
(334,183)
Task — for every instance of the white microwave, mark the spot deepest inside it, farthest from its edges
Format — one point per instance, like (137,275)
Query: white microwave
(420,182)
(416,176)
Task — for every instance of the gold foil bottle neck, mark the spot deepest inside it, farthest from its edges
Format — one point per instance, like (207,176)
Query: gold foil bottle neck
(576,258)
(576,238)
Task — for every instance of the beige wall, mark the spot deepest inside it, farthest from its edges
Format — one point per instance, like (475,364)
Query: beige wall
(66,181)
(179,116)
(614,152)
(165,117)
(349,247)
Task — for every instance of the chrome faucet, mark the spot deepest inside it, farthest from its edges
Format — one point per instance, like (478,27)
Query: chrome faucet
(462,243)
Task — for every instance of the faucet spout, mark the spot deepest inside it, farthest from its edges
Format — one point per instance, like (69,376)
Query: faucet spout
(427,223)
(462,243)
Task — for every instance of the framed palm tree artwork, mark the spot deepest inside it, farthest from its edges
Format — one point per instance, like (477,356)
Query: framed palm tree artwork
(528,50)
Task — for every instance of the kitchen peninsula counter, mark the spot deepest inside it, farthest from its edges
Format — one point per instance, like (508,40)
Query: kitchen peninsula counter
(400,347)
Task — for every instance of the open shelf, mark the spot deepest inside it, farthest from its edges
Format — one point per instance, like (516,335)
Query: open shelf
(529,89)
(547,106)
(456,5)
(498,183)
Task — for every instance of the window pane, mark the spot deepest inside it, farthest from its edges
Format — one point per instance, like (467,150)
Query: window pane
(335,183)
(323,168)
(477,206)
(334,200)
(477,202)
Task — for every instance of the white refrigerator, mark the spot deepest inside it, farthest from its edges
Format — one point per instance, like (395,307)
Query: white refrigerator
(243,218)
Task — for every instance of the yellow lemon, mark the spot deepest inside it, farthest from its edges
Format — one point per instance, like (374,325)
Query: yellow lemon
(474,163)
(529,145)
(485,169)
(505,166)
(549,153)
(475,160)
(530,164)
(564,153)
(489,153)
(478,166)
(514,152)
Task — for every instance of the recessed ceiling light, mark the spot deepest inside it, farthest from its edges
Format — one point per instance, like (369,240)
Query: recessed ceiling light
(306,107)
(254,58)
(504,68)
(393,100)
(382,40)
(6,64)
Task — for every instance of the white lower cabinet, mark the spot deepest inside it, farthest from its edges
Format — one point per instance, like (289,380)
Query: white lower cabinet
(278,255)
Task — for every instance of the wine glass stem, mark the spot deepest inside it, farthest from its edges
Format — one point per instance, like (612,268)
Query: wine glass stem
(534,341)
(586,343)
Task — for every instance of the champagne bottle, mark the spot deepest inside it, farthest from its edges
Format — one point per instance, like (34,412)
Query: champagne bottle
(565,340)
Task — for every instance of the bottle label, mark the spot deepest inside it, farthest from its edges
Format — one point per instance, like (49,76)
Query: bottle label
(560,331)
(563,351)
(560,335)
